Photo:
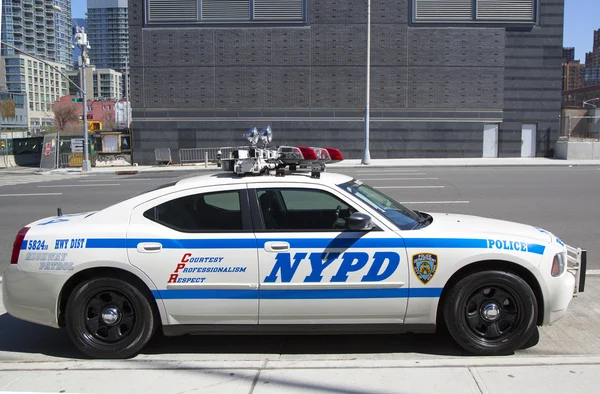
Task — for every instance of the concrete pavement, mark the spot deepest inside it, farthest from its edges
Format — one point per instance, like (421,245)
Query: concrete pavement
(466,375)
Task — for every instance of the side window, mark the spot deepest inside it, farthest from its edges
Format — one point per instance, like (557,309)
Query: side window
(200,212)
(302,210)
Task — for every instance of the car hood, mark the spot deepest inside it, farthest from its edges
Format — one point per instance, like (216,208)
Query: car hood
(480,226)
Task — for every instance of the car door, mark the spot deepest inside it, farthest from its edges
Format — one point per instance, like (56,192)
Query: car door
(315,271)
(199,249)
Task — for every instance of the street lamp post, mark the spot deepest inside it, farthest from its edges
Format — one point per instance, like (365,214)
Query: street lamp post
(82,42)
(366,159)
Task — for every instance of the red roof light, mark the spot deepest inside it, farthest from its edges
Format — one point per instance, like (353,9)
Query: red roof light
(308,153)
(336,154)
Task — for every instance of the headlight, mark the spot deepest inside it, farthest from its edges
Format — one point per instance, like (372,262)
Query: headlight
(558,264)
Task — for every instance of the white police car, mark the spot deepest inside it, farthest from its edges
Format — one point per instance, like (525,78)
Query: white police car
(302,253)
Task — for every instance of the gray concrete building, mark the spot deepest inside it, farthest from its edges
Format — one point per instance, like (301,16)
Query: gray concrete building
(462,78)
(101,83)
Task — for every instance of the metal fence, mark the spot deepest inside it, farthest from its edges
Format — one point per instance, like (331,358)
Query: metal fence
(581,127)
(205,155)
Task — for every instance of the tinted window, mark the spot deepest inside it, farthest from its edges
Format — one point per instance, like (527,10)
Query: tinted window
(200,212)
(302,210)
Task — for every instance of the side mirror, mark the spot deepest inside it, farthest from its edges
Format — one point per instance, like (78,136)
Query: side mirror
(359,221)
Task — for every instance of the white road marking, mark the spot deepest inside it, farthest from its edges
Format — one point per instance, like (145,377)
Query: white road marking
(30,194)
(396,179)
(115,178)
(98,184)
(405,187)
(435,202)
(391,173)
(386,170)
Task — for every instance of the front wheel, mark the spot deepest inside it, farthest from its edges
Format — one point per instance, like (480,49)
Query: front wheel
(109,318)
(491,312)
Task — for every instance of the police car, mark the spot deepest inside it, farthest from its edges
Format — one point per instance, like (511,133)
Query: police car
(258,248)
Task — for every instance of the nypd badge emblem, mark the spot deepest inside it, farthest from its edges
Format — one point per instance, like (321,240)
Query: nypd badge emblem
(424,265)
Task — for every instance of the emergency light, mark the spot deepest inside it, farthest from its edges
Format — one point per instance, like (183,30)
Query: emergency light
(254,160)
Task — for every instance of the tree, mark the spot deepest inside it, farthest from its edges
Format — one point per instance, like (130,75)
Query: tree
(7,108)
(64,114)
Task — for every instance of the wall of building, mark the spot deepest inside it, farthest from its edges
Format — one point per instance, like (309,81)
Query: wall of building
(432,89)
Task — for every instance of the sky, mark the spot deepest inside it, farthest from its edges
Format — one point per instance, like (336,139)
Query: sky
(582,17)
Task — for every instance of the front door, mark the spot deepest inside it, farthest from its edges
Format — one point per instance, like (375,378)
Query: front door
(199,249)
(528,136)
(315,271)
(490,140)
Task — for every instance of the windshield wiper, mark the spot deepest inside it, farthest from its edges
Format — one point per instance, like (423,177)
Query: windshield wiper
(422,221)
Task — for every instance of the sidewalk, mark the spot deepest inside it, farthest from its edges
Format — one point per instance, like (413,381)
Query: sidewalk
(481,375)
(355,163)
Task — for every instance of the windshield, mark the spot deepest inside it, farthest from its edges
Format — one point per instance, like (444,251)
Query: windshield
(395,212)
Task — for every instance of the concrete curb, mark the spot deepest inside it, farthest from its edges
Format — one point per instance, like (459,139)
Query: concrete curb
(142,363)
(355,164)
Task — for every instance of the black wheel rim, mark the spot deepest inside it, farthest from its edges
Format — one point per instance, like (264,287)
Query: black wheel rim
(492,313)
(109,316)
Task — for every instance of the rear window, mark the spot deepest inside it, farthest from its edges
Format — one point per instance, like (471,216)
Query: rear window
(209,212)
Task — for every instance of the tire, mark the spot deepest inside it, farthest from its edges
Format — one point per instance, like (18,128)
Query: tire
(127,324)
(491,313)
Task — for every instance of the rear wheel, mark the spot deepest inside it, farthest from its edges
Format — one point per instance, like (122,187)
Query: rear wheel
(491,312)
(109,318)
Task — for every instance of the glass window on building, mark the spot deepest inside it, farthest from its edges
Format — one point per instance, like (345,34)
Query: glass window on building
(28,63)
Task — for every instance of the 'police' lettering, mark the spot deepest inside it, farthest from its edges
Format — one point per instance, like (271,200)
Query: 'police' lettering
(507,245)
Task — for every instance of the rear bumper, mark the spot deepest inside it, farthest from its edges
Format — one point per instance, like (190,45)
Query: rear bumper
(31,296)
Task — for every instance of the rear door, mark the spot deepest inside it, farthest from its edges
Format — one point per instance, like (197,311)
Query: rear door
(199,249)
(313,270)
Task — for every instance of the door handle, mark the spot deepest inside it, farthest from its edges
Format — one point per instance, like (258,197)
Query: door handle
(149,247)
(276,246)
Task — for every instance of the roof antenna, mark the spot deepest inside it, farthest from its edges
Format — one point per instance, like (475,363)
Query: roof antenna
(59,211)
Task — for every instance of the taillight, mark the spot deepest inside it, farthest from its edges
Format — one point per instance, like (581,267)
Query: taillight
(18,244)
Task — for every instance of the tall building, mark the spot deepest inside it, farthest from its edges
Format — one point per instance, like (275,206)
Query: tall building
(40,83)
(568,54)
(101,83)
(108,34)
(38,28)
(573,75)
(448,78)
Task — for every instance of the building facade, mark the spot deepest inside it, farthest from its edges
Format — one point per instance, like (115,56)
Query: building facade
(41,84)
(568,54)
(101,83)
(446,77)
(108,33)
(38,28)
(573,75)
(19,121)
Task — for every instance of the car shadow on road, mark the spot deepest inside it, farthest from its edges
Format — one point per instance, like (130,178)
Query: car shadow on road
(22,337)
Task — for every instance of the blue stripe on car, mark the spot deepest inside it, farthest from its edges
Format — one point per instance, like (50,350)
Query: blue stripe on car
(313,243)
(430,292)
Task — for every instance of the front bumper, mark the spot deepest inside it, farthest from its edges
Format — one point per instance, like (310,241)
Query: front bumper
(32,296)
(562,289)
(577,266)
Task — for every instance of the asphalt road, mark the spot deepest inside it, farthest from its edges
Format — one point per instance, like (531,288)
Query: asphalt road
(561,200)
